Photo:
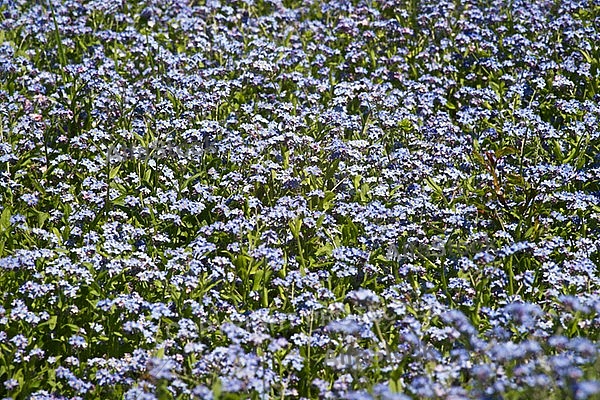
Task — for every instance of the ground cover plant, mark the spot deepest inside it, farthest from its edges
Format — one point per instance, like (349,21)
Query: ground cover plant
(299,199)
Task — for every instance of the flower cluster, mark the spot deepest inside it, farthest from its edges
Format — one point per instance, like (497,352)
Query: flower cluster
(299,199)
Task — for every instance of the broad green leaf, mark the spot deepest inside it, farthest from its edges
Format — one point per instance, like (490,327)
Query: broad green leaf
(114,171)
(5,219)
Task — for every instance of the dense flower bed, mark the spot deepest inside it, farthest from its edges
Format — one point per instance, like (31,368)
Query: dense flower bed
(299,199)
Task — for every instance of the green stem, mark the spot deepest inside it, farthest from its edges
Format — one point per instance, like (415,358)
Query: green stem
(62,58)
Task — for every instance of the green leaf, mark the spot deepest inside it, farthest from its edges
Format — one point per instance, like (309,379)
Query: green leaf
(5,220)
(58,234)
(364,192)
(506,151)
(324,250)
(434,185)
(557,151)
(52,322)
(320,220)
(395,386)
(295,226)
(587,56)
(73,328)
(258,280)
(147,175)
(66,233)
(42,217)
(356,181)
(114,171)
(217,389)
